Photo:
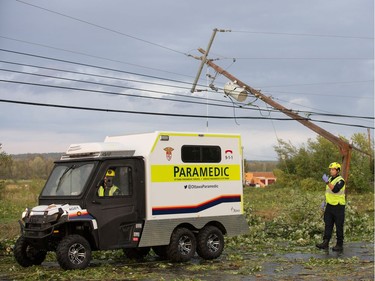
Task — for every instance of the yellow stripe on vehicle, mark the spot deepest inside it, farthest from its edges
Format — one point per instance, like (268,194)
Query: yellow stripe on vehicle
(172,173)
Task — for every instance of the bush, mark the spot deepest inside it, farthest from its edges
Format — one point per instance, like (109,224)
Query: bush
(298,219)
(311,160)
(311,184)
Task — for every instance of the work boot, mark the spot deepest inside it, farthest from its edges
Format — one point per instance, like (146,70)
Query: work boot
(324,245)
(339,247)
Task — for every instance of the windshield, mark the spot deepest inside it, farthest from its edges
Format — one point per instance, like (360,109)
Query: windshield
(68,179)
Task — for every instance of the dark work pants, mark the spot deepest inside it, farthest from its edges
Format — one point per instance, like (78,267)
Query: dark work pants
(334,215)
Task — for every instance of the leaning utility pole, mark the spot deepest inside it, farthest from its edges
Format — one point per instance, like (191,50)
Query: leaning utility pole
(344,147)
(204,58)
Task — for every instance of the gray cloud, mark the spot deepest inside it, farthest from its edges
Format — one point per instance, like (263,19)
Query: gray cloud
(184,26)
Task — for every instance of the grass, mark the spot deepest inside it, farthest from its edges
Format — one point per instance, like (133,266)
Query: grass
(15,197)
(281,221)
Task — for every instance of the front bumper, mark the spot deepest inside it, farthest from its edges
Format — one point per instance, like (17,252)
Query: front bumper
(39,227)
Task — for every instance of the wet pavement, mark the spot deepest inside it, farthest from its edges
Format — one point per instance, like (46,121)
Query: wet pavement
(364,251)
(356,262)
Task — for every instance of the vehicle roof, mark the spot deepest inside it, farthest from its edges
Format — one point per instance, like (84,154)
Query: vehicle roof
(130,145)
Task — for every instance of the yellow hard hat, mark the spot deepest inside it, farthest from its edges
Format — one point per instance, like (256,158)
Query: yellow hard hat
(334,165)
(110,173)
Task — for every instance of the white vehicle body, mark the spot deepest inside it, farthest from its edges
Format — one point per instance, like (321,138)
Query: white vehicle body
(184,192)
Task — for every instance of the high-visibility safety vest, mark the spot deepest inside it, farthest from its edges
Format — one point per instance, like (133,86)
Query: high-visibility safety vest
(111,191)
(335,198)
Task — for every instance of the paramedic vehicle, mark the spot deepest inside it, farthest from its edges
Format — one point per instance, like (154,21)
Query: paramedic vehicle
(176,193)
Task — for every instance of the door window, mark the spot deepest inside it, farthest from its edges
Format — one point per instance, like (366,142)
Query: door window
(116,182)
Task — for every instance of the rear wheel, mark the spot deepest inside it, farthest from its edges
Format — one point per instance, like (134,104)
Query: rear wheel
(210,242)
(27,255)
(136,253)
(182,246)
(73,252)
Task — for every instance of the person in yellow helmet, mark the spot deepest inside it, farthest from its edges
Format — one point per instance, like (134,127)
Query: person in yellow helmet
(108,188)
(334,213)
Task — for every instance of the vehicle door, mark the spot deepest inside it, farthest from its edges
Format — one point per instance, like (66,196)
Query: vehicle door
(122,205)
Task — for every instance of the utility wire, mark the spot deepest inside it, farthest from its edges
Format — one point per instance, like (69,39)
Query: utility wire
(96,57)
(114,93)
(104,28)
(304,34)
(126,72)
(137,112)
(173,114)
(155,77)
(291,58)
(96,75)
(170,85)
(108,92)
(320,83)
(167,79)
(326,114)
(95,66)
(152,91)
(323,95)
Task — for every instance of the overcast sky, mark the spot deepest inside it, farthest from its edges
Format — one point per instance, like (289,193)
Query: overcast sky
(310,56)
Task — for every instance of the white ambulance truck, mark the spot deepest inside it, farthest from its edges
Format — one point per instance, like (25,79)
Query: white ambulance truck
(177,193)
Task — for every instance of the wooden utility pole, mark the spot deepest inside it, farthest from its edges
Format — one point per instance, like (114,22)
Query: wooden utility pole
(344,147)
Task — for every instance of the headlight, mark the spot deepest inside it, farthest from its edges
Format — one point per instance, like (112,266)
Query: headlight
(53,217)
(26,213)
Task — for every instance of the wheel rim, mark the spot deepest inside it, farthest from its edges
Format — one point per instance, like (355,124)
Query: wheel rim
(213,243)
(77,253)
(30,251)
(185,245)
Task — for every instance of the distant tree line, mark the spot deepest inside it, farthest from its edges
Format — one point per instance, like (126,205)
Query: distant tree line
(27,166)
(260,166)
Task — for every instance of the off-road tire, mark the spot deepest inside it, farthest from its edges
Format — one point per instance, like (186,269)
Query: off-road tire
(182,245)
(161,251)
(210,242)
(73,252)
(27,255)
(136,253)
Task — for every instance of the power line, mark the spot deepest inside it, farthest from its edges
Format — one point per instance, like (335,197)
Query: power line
(171,114)
(304,34)
(326,114)
(151,91)
(104,28)
(110,93)
(94,66)
(136,112)
(167,79)
(96,57)
(170,85)
(291,58)
(149,76)
(320,83)
(96,75)
(323,95)
(106,92)
(114,93)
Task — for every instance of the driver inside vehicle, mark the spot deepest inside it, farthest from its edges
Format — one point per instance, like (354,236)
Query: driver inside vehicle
(108,188)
